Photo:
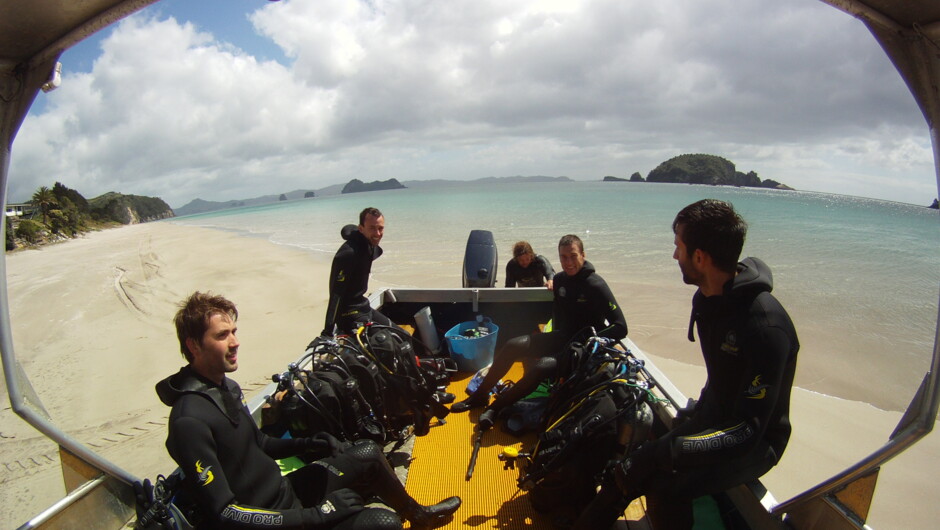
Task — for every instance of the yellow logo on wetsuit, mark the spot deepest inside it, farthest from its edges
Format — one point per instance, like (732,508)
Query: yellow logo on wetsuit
(756,390)
(204,476)
(341,276)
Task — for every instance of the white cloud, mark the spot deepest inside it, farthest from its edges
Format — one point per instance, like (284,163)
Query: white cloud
(467,89)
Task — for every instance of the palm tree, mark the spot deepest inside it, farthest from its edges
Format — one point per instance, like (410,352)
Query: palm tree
(45,200)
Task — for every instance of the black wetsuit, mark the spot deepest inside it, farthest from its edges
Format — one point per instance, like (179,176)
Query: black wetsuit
(535,275)
(580,302)
(349,280)
(230,471)
(740,425)
(584,300)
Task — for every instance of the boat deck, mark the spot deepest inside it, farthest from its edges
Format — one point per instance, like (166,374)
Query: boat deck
(491,498)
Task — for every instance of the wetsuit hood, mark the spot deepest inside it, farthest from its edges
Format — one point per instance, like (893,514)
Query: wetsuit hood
(355,238)
(226,397)
(347,231)
(751,278)
(586,270)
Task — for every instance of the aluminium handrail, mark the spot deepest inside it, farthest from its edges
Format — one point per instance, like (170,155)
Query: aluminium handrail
(63,503)
(920,418)
(29,411)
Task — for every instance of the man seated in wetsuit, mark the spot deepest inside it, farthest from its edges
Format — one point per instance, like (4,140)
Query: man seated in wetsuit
(526,269)
(582,301)
(348,308)
(739,427)
(229,464)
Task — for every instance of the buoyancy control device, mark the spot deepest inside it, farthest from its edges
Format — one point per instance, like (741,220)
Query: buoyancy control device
(367,385)
(597,413)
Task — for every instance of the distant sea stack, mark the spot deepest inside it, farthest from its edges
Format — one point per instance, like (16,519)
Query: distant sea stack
(633,178)
(357,186)
(708,169)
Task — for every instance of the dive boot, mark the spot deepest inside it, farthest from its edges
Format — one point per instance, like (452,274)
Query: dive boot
(471,402)
(434,515)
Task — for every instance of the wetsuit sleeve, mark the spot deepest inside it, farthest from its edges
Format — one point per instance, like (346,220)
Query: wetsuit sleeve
(198,459)
(340,272)
(510,277)
(759,389)
(604,303)
(547,270)
(278,448)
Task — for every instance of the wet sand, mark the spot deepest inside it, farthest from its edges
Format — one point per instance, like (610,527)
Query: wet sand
(92,328)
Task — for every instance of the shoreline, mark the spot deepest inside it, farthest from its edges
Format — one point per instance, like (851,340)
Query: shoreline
(91,320)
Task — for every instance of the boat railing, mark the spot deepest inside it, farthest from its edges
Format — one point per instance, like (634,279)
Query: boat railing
(90,479)
(917,422)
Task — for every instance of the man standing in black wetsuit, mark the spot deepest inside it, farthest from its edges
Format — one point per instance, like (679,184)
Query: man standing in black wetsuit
(739,427)
(348,307)
(526,269)
(229,464)
(582,301)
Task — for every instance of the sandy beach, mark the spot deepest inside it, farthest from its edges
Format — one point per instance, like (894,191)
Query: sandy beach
(92,328)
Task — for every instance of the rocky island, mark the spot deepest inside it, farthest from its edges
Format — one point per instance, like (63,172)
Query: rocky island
(703,169)
(358,186)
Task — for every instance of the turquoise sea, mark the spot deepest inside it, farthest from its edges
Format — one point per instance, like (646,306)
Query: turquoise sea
(859,276)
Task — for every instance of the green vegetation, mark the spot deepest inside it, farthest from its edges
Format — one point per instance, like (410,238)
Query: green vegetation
(62,212)
(29,231)
(128,209)
(44,199)
(11,244)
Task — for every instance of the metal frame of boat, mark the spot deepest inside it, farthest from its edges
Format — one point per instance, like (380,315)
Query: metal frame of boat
(34,34)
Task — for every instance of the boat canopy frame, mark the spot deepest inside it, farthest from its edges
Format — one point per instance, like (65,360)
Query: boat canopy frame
(34,34)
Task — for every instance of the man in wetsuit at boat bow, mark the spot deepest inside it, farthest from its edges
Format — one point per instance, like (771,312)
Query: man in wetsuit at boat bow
(229,464)
(348,307)
(739,427)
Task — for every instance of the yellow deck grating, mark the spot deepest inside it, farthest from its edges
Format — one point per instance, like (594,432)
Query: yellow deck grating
(491,498)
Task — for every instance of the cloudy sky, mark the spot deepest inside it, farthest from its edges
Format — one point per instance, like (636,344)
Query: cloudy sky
(231,99)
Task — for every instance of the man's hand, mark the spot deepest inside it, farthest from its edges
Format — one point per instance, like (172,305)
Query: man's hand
(683,414)
(326,444)
(143,492)
(337,506)
(632,474)
(151,512)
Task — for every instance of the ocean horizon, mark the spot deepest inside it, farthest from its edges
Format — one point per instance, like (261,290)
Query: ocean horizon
(859,276)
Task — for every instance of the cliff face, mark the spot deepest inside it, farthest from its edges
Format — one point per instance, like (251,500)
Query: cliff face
(129,209)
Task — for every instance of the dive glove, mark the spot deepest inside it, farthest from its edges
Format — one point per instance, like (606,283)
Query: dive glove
(337,506)
(324,444)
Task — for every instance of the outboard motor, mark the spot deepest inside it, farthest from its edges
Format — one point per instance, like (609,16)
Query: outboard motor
(479,260)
